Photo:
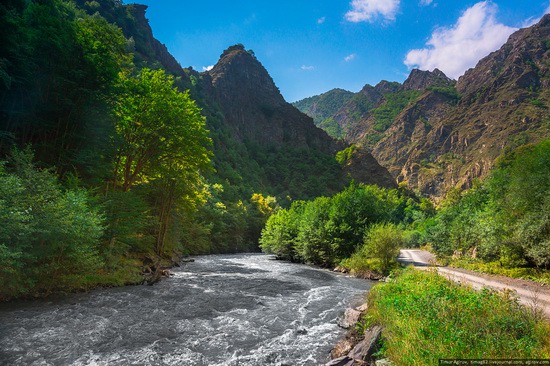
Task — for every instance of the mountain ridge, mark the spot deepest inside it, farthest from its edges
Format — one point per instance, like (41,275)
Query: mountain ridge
(451,132)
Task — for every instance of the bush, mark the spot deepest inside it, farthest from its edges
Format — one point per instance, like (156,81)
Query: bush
(380,250)
(47,234)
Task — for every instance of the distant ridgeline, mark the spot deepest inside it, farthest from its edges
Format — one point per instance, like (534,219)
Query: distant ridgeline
(436,134)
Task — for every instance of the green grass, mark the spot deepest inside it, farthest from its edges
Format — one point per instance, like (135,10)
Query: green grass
(128,272)
(426,318)
(496,268)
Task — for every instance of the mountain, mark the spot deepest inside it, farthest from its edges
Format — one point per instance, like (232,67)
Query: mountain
(322,107)
(261,142)
(437,134)
(288,154)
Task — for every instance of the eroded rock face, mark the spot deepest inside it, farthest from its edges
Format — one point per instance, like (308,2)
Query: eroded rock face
(422,80)
(254,109)
(453,132)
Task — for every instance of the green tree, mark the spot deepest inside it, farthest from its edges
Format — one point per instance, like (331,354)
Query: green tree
(162,142)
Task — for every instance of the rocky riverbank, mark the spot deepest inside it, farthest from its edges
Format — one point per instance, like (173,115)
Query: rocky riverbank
(357,349)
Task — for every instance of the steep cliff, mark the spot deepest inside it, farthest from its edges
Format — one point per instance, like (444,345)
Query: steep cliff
(504,104)
(276,136)
(436,134)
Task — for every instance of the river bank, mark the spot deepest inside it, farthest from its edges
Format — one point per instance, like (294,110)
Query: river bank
(426,317)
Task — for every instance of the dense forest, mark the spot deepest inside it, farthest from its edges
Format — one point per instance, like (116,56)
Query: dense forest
(116,161)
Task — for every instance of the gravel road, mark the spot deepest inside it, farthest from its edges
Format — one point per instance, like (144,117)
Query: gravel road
(530,293)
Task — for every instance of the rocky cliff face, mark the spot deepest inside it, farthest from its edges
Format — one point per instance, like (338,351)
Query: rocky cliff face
(254,110)
(131,18)
(422,80)
(450,133)
(504,104)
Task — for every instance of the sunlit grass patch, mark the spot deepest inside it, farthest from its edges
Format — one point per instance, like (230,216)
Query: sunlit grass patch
(426,317)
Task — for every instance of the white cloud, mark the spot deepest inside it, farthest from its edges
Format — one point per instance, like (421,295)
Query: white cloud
(321,20)
(369,10)
(207,68)
(307,68)
(425,2)
(534,20)
(455,49)
(349,58)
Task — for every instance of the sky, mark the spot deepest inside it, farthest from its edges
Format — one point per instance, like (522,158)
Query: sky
(312,46)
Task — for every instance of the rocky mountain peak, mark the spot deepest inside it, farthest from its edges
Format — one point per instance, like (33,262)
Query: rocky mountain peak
(422,80)
(518,64)
(238,71)
(385,87)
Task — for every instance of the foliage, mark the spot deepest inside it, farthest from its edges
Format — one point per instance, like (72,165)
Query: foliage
(327,230)
(380,250)
(441,319)
(323,107)
(497,268)
(505,219)
(448,91)
(344,156)
(47,233)
(392,105)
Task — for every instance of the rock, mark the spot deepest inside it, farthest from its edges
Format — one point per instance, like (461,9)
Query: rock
(383,362)
(364,349)
(340,269)
(369,275)
(362,308)
(187,260)
(340,361)
(350,318)
(342,348)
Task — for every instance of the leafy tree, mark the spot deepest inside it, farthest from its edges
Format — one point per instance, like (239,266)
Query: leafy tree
(162,142)
(380,249)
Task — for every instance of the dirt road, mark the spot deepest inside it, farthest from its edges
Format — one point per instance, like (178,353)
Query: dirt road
(530,293)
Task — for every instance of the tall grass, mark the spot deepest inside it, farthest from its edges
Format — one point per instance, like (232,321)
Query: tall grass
(426,318)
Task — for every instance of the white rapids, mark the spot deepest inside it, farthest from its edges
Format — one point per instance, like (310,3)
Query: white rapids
(223,310)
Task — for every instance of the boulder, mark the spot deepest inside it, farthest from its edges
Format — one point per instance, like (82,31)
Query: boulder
(350,318)
(342,348)
(340,361)
(365,349)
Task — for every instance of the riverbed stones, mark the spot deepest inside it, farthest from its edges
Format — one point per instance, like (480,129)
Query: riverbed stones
(342,348)
(362,353)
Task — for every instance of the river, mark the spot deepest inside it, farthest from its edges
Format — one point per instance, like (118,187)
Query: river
(231,310)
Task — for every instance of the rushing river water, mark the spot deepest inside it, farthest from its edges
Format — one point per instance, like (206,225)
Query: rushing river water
(232,310)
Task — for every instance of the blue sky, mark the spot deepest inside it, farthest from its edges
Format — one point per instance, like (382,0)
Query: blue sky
(312,46)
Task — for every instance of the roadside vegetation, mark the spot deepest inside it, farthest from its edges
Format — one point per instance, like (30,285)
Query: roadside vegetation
(501,225)
(426,317)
